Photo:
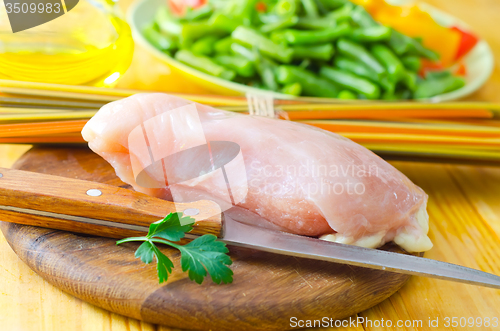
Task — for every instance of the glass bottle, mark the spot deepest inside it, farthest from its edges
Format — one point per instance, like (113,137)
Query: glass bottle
(88,45)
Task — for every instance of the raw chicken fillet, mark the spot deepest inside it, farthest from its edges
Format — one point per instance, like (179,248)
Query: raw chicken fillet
(298,178)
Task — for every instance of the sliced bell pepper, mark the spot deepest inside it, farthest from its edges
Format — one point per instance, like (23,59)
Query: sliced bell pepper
(461,70)
(467,42)
(179,7)
(428,65)
(261,7)
(413,22)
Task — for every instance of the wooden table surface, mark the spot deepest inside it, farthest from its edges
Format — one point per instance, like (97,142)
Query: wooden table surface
(464,209)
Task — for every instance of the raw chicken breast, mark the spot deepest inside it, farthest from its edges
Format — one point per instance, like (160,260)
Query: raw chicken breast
(301,179)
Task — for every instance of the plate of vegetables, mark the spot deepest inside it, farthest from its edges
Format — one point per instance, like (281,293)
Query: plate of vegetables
(317,48)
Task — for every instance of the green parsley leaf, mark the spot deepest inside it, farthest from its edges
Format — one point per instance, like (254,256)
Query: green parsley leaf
(163,265)
(205,253)
(145,252)
(170,227)
(199,256)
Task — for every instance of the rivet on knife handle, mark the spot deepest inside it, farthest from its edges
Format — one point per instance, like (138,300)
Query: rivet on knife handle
(44,200)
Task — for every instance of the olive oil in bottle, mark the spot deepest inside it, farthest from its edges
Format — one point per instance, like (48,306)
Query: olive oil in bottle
(88,45)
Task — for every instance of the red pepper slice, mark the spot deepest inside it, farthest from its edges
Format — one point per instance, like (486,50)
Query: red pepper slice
(461,70)
(428,65)
(261,7)
(467,42)
(179,7)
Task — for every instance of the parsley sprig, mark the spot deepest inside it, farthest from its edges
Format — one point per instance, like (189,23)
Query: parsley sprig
(203,254)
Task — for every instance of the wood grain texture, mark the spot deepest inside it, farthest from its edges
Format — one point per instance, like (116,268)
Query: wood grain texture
(68,196)
(461,236)
(267,290)
(462,200)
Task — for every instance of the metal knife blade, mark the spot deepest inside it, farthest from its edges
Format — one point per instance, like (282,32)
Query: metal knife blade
(62,203)
(239,234)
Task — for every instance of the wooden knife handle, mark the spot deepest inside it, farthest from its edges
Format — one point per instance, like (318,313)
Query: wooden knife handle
(42,193)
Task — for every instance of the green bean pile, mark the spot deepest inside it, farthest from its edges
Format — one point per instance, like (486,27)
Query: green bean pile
(320,48)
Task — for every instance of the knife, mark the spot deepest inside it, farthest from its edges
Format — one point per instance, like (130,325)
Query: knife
(65,204)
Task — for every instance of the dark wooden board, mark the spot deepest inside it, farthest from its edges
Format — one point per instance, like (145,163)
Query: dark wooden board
(267,290)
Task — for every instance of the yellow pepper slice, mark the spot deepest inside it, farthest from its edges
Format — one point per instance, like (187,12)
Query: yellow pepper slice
(412,21)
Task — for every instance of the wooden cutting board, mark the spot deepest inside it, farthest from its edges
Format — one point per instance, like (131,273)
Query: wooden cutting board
(267,290)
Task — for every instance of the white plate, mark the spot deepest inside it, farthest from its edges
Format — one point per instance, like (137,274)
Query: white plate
(479,61)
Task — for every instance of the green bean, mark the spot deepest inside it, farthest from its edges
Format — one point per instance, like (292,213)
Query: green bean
(166,23)
(404,94)
(286,7)
(292,89)
(425,52)
(311,84)
(196,30)
(402,45)
(388,85)
(321,7)
(315,23)
(362,18)
(299,37)
(250,37)
(246,11)
(282,23)
(357,51)
(223,46)
(224,23)
(172,29)
(410,80)
(204,46)
(320,52)
(333,4)
(248,54)
(359,69)
(158,39)
(258,84)
(432,87)
(278,37)
(391,62)
(285,48)
(347,95)
(388,96)
(351,82)
(204,64)
(310,8)
(242,66)
(342,14)
(329,21)
(411,62)
(198,13)
(304,63)
(371,34)
(266,70)
(397,95)
(163,14)
(435,74)
(270,18)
